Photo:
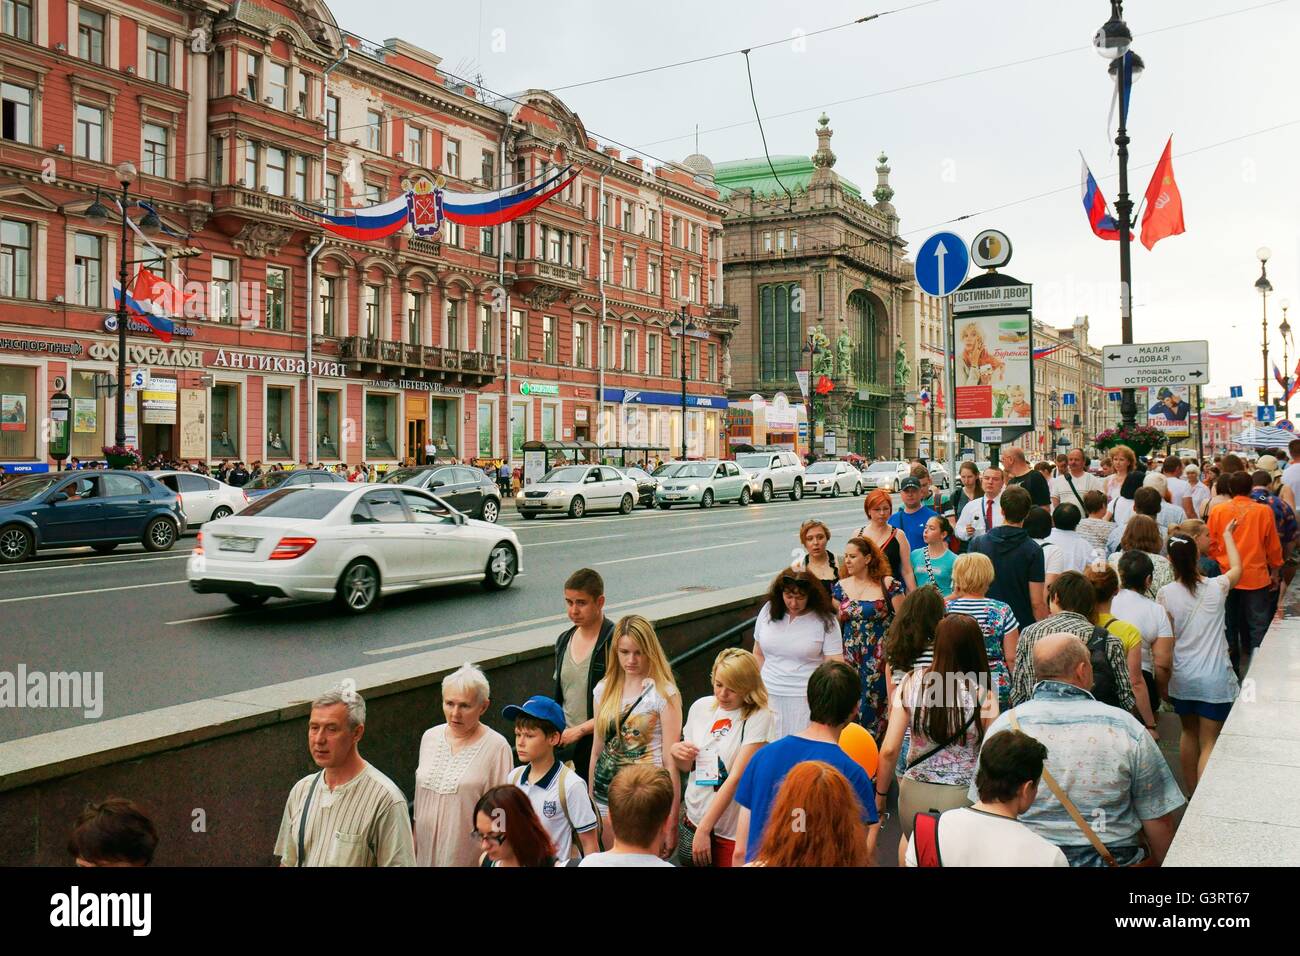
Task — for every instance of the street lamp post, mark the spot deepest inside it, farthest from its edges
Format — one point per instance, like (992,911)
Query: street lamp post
(1264,287)
(681,327)
(1053,426)
(97,215)
(1112,42)
(1284,330)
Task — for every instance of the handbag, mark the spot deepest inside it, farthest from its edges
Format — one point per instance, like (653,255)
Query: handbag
(1077,817)
(611,760)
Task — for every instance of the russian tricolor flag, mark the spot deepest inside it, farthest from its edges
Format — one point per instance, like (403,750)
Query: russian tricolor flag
(158,323)
(1094,204)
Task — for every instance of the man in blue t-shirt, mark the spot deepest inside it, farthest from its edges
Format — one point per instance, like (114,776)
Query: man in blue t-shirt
(911,518)
(833,694)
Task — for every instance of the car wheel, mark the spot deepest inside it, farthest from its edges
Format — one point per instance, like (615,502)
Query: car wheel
(835,489)
(15,544)
(248,601)
(857,490)
(745,497)
(578,508)
(358,587)
(625,508)
(108,547)
(767,492)
(219,513)
(706,499)
(529,515)
(491,510)
(797,491)
(502,566)
(159,535)
(896,488)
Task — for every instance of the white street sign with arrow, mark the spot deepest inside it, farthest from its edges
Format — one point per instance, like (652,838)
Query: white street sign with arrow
(1156,363)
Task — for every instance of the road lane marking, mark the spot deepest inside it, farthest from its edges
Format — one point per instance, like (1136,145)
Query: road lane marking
(236,612)
(551,619)
(669,554)
(63,594)
(547,544)
(94,564)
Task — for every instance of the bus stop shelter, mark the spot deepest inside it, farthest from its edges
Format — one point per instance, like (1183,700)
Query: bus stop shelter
(541,456)
(627,456)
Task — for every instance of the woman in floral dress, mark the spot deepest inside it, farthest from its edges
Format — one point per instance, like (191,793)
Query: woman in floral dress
(867,598)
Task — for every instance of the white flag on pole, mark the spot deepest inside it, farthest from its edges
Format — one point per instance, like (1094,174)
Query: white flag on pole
(802,376)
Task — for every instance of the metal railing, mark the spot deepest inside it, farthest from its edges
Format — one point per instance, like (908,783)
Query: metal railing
(732,636)
(361,348)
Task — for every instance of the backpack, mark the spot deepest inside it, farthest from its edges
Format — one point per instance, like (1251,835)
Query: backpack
(1104,683)
(925,839)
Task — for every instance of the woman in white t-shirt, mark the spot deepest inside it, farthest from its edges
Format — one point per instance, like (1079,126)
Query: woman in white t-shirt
(795,632)
(1203,685)
(636,709)
(722,732)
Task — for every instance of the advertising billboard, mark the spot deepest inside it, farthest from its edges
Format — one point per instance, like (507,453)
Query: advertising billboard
(994,385)
(1169,409)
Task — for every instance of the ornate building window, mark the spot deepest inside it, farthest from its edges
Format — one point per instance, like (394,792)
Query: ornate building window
(780,330)
(864,322)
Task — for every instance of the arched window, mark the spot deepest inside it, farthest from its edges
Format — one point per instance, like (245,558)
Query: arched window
(780,330)
(863,320)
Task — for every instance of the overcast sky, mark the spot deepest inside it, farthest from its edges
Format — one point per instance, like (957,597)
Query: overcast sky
(962,145)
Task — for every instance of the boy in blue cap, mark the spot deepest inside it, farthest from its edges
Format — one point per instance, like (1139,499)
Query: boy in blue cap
(558,795)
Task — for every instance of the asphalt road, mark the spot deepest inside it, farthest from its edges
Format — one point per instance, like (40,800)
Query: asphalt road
(133,617)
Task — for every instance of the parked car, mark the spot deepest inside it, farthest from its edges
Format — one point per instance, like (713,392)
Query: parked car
(646,484)
(577,489)
(202,498)
(703,483)
(298,478)
(468,490)
(887,475)
(831,478)
(774,473)
(939,476)
(353,543)
(102,509)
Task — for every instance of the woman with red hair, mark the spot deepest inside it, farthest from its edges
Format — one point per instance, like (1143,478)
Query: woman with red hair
(867,597)
(508,830)
(816,820)
(891,541)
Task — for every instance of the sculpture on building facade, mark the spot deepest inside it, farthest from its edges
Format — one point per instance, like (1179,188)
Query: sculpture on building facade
(823,361)
(902,371)
(844,356)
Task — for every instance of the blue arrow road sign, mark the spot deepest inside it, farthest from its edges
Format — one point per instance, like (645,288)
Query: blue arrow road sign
(941,263)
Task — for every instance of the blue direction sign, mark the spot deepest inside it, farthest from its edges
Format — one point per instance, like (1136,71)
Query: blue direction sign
(1265,413)
(942,263)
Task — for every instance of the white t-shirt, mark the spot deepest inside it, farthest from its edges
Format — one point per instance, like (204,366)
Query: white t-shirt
(1202,668)
(1060,489)
(724,732)
(1077,552)
(644,726)
(1201,494)
(1179,489)
(793,649)
(1147,616)
(622,859)
(1053,558)
(544,795)
(1291,478)
(970,837)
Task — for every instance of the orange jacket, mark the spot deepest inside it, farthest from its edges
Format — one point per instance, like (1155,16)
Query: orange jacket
(1256,538)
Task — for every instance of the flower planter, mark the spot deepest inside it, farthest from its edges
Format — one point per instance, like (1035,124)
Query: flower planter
(120,461)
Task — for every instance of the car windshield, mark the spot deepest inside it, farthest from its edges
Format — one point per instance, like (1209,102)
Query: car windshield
(823,468)
(565,475)
(270,479)
(695,471)
(668,470)
(883,466)
(403,476)
(754,461)
(25,489)
(636,473)
(294,503)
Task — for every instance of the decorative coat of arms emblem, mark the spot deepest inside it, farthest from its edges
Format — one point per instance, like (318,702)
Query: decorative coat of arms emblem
(424,203)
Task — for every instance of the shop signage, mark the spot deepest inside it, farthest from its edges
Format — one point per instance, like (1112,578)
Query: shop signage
(288,364)
(631,396)
(580,415)
(194,431)
(415,386)
(148,355)
(537,388)
(110,325)
(158,399)
(24,468)
(48,347)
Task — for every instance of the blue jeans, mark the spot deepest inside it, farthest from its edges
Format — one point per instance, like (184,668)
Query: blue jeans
(1086,856)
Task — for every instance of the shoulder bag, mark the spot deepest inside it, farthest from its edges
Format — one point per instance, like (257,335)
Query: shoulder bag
(610,760)
(302,822)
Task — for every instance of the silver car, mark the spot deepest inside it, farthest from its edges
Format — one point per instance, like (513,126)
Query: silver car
(577,489)
(886,475)
(832,479)
(203,499)
(703,483)
(774,473)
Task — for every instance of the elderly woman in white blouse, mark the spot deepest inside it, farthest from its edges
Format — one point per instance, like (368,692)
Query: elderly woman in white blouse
(459,762)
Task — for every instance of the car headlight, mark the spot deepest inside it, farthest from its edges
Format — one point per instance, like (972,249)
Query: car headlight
(554,493)
(693,489)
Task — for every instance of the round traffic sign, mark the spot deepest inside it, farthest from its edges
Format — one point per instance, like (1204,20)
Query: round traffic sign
(991,249)
(941,264)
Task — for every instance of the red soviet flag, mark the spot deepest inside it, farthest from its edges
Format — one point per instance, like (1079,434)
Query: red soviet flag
(1164,212)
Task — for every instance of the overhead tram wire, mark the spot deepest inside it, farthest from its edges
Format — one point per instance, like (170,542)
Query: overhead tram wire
(762,134)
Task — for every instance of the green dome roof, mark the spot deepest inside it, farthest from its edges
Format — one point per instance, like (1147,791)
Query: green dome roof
(755,174)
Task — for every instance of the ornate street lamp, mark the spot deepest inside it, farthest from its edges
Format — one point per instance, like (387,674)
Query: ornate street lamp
(683,327)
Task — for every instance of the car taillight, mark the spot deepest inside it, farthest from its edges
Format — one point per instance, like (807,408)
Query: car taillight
(198,544)
(290,548)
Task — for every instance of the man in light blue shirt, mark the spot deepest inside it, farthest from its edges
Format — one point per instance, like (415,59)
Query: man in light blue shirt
(1102,759)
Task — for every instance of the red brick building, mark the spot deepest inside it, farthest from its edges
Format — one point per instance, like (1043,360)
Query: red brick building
(231,114)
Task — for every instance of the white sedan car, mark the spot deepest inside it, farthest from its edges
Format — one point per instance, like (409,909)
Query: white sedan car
(203,499)
(832,479)
(576,489)
(352,543)
(886,475)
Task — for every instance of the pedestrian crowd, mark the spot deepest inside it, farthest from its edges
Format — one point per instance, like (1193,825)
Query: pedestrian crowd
(999,657)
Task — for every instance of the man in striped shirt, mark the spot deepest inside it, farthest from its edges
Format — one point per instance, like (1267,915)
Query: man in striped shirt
(348,814)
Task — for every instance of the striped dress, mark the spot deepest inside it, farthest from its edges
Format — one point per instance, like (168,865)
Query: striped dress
(996,620)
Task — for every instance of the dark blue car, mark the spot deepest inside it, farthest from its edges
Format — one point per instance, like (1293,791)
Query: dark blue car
(101,509)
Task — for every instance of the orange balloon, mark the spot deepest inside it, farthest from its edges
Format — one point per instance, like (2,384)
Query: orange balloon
(857,742)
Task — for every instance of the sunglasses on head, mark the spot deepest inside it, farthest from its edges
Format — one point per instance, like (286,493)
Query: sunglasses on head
(790,583)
